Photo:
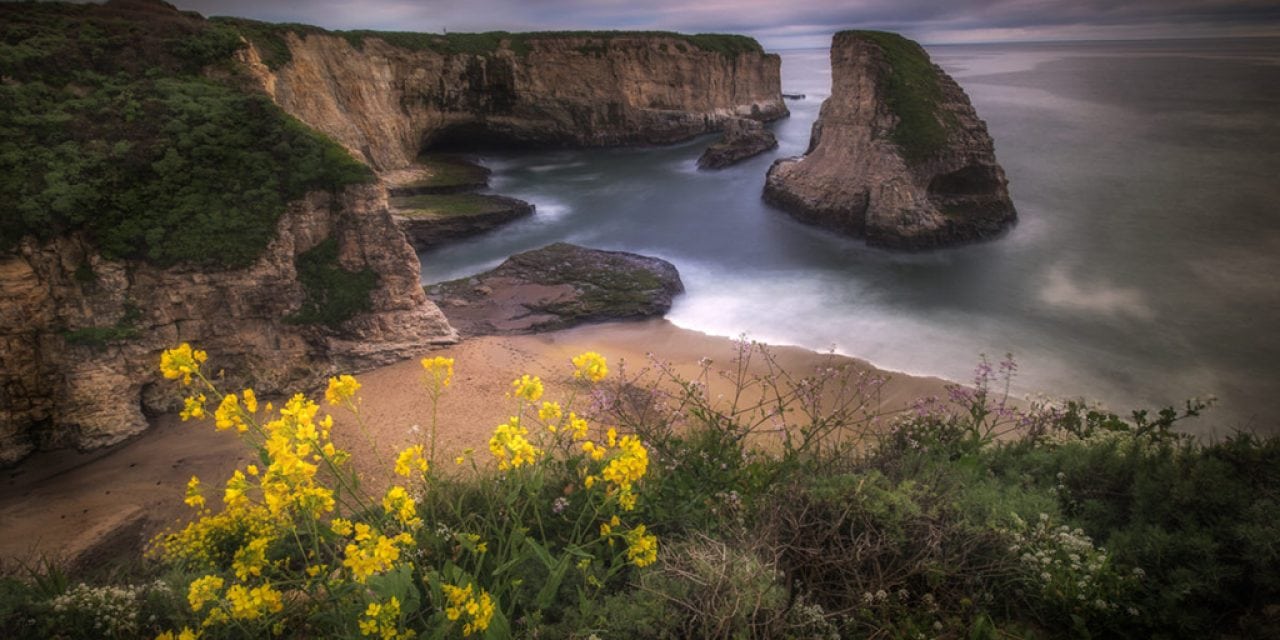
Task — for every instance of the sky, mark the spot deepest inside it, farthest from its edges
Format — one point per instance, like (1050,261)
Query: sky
(787,24)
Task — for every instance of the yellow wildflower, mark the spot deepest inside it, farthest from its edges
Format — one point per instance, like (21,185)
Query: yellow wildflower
(234,494)
(578,426)
(439,371)
(478,609)
(510,447)
(203,590)
(250,401)
(591,366)
(228,415)
(341,390)
(341,527)
(550,412)
(528,388)
(409,459)
(606,528)
(185,634)
(398,502)
(193,407)
(250,604)
(251,558)
(372,554)
(182,362)
(642,548)
(383,620)
(194,499)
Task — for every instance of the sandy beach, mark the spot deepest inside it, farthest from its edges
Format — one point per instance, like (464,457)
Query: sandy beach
(82,507)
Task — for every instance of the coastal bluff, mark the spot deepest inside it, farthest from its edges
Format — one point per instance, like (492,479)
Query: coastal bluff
(388,96)
(898,155)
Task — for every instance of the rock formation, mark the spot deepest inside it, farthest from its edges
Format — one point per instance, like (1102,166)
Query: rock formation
(742,139)
(897,155)
(427,226)
(386,103)
(57,391)
(558,286)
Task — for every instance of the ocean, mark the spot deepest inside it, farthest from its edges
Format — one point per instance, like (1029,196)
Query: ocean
(1144,269)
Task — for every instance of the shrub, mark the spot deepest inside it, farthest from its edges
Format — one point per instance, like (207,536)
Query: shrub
(331,294)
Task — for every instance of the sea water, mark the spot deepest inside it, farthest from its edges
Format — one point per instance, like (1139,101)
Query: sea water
(1144,269)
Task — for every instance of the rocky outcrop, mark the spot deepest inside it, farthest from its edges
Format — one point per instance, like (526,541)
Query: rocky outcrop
(428,228)
(742,139)
(558,286)
(897,155)
(386,103)
(81,336)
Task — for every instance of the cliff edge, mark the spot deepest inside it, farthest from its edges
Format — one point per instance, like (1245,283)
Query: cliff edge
(897,156)
(388,96)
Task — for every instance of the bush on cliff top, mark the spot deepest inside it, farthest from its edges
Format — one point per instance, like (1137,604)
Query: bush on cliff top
(912,91)
(111,128)
(271,42)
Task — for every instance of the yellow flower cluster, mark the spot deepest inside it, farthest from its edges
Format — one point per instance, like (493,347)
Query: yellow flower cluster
(550,413)
(478,609)
(230,414)
(591,366)
(250,559)
(195,496)
(204,590)
(253,603)
(383,620)
(627,465)
(341,390)
(204,543)
(411,458)
(527,387)
(510,446)
(439,371)
(642,548)
(370,554)
(192,407)
(398,503)
(182,362)
(185,634)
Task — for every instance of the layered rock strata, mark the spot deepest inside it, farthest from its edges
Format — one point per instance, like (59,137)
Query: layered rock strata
(897,156)
(57,390)
(742,139)
(386,103)
(558,286)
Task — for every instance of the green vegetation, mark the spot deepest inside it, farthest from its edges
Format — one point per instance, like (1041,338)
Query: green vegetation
(124,329)
(447,173)
(333,295)
(111,128)
(912,91)
(270,39)
(449,205)
(789,505)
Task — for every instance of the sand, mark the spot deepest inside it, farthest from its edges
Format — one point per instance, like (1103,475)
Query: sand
(82,508)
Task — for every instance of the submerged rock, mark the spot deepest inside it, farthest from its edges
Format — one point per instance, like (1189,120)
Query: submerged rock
(742,139)
(558,286)
(897,156)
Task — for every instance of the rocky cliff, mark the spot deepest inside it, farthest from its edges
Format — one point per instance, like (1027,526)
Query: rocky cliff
(386,103)
(81,336)
(897,156)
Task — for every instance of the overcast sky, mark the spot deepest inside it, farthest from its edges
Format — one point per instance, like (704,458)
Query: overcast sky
(781,24)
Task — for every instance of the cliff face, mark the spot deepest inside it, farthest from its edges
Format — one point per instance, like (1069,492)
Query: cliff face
(897,156)
(386,103)
(55,392)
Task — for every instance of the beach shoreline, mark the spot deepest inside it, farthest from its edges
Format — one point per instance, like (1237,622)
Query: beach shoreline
(82,508)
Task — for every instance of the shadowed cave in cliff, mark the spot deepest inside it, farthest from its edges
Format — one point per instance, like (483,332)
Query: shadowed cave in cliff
(473,136)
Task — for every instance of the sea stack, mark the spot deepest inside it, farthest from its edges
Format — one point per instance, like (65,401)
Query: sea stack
(897,156)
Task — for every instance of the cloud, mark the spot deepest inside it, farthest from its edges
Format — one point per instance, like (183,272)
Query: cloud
(783,24)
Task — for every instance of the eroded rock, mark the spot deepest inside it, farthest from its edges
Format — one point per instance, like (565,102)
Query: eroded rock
(742,139)
(558,286)
(897,156)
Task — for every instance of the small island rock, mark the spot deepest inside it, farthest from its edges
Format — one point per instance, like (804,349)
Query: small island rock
(742,139)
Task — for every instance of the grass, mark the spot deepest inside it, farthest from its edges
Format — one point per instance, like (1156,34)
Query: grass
(448,205)
(270,39)
(913,93)
(333,295)
(126,328)
(446,173)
